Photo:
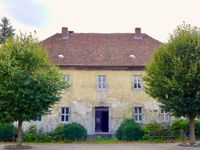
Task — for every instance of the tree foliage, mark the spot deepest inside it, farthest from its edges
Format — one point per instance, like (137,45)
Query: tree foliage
(6,30)
(29,84)
(173,74)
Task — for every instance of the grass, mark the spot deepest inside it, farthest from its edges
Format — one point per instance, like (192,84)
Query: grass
(99,139)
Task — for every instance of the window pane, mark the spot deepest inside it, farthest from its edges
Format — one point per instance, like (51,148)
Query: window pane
(104,78)
(135,85)
(135,109)
(66,110)
(140,117)
(103,85)
(140,110)
(62,110)
(66,118)
(67,78)
(136,118)
(62,118)
(99,85)
(99,78)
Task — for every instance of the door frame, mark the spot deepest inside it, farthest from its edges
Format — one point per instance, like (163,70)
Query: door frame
(109,119)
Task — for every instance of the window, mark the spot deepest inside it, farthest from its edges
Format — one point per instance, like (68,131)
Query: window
(101,81)
(64,114)
(137,82)
(164,116)
(38,119)
(68,79)
(138,114)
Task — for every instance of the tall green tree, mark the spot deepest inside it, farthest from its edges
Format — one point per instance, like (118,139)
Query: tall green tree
(173,75)
(6,30)
(29,84)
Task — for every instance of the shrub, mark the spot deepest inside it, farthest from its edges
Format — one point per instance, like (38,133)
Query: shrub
(59,132)
(179,125)
(71,132)
(129,130)
(7,132)
(34,137)
(197,128)
(152,127)
(32,129)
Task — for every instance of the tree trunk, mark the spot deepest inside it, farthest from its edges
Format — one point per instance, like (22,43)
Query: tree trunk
(192,131)
(19,134)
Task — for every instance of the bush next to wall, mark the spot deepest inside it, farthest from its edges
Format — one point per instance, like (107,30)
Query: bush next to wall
(32,135)
(129,130)
(197,128)
(71,132)
(38,137)
(7,132)
(179,125)
(152,127)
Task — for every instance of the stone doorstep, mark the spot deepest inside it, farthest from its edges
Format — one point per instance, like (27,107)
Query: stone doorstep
(100,135)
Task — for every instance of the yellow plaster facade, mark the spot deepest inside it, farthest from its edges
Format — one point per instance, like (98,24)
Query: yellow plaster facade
(83,96)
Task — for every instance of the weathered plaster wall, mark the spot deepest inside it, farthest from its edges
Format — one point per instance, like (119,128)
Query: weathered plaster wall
(83,96)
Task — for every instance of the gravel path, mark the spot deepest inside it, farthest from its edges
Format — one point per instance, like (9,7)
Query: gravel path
(108,147)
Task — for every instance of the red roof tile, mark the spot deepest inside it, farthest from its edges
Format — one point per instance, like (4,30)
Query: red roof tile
(99,49)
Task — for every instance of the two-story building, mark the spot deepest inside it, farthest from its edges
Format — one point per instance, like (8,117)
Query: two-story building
(105,72)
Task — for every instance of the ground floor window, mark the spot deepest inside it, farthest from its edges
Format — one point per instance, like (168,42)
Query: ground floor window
(64,114)
(164,116)
(138,114)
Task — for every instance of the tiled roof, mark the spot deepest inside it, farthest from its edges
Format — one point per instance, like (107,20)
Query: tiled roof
(99,49)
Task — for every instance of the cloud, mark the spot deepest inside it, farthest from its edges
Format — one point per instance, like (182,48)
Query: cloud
(29,12)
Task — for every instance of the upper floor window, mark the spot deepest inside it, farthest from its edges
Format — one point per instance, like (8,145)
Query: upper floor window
(138,114)
(137,82)
(68,79)
(164,116)
(101,81)
(38,119)
(64,114)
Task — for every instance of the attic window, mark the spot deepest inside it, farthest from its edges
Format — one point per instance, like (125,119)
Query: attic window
(61,56)
(132,56)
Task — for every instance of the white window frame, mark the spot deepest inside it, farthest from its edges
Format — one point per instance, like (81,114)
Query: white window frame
(64,114)
(39,119)
(164,116)
(137,82)
(68,79)
(101,82)
(137,114)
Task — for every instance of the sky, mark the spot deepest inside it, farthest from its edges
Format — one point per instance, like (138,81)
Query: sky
(157,18)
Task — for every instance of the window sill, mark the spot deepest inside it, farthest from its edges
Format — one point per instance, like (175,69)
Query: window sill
(64,122)
(138,90)
(101,90)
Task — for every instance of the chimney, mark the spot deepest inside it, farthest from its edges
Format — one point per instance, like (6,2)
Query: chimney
(137,34)
(64,33)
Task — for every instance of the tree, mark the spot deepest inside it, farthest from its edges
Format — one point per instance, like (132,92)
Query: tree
(29,84)
(173,75)
(6,30)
